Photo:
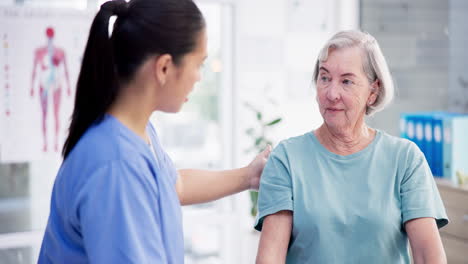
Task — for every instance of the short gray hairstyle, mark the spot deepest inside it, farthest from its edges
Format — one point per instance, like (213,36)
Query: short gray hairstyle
(375,66)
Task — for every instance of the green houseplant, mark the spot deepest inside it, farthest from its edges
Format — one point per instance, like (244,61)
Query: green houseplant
(260,140)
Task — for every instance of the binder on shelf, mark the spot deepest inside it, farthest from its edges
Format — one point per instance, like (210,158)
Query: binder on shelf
(403,126)
(429,142)
(438,150)
(455,156)
(439,135)
(419,135)
(418,127)
(442,129)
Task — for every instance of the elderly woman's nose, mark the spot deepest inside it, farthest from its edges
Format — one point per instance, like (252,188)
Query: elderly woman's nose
(333,92)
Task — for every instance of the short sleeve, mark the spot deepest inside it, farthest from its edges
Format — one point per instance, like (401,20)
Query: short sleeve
(275,192)
(119,216)
(419,194)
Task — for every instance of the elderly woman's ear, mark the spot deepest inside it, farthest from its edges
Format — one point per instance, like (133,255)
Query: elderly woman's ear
(374,92)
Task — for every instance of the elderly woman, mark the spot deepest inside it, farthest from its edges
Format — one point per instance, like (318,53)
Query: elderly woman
(345,192)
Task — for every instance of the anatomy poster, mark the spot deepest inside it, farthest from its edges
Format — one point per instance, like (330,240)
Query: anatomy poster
(40,61)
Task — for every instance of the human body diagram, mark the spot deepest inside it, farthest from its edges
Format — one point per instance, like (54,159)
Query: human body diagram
(49,76)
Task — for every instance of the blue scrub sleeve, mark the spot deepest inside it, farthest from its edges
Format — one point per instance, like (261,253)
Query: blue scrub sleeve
(275,192)
(419,194)
(119,215)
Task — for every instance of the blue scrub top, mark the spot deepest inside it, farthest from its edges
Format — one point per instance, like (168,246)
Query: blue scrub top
(113,201)
(353,208)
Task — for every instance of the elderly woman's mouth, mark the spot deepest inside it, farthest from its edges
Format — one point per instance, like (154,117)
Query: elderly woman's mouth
(335,109)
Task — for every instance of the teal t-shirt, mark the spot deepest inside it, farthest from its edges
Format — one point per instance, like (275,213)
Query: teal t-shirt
(349,209)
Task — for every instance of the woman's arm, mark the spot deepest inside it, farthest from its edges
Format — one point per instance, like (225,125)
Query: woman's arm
(200,186)
(274,241)
(425,241)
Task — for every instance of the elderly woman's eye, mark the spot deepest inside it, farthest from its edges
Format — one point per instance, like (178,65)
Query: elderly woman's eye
(324,79)
(347,82)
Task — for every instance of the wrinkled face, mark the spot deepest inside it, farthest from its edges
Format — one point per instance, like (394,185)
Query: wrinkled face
(185,75)
(343,90)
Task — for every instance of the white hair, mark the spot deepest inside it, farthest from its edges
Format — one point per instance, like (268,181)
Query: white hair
(374,64)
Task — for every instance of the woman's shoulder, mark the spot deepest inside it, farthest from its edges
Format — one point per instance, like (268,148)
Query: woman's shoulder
(402,147)
(104,142)
(293,145)
(395,141)
(297,140)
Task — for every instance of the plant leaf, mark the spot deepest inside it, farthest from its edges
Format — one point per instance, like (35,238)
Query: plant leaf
(253,200)
(259,116)
(274,122)
(253,196)
(258,141)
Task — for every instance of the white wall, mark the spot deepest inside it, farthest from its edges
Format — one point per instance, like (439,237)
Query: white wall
(458,74)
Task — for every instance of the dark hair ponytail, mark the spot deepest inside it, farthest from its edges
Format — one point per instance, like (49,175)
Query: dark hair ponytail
(143,28)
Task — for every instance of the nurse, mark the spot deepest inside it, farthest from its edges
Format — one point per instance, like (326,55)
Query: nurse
(117,197)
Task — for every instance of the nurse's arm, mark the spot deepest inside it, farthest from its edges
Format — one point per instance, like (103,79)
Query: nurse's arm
(425,241)
(274,240)
(201,186)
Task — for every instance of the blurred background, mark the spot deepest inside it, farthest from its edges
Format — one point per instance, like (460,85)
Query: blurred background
(256,88)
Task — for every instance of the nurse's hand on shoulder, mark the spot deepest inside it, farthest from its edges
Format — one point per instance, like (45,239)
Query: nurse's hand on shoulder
(256,167)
